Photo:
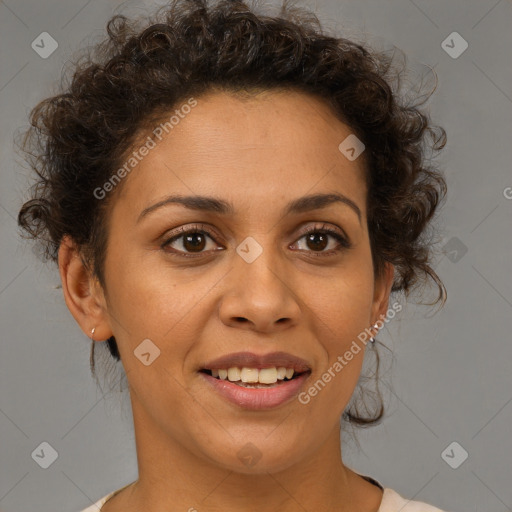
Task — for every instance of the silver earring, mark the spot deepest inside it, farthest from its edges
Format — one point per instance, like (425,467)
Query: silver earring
(372,339)
(92,333)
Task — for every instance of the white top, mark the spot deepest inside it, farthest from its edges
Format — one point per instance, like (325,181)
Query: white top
(391,501)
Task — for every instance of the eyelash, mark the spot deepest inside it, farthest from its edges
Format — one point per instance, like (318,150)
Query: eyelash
(345,244)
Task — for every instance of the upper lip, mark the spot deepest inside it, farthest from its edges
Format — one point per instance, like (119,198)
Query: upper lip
(251,360)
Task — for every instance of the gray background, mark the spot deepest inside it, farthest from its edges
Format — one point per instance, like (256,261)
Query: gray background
(451,378)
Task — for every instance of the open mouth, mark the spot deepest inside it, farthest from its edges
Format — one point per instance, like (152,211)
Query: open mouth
(255,378)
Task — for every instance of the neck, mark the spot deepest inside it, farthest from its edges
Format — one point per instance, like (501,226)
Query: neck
(171,477)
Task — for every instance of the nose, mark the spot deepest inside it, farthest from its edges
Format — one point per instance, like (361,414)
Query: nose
(260,296)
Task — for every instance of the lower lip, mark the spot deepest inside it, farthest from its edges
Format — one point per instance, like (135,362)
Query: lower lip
(257,398)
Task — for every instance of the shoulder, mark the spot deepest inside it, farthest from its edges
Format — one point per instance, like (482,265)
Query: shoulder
(96,507)
(392,501)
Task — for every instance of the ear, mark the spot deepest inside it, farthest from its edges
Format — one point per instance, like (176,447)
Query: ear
(382,290)
(83,294)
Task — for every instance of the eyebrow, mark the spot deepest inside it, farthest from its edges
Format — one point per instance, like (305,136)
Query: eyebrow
(215,205)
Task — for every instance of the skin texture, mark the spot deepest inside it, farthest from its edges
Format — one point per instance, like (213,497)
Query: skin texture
(258,153)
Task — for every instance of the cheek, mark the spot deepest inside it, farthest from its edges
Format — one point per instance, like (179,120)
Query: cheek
(163,307)
(343,303)
(340,318)
(342,312)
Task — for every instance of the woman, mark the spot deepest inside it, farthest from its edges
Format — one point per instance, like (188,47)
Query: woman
(231,199)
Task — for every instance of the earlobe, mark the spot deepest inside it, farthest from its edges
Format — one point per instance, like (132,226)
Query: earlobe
(84,300)
(383,287)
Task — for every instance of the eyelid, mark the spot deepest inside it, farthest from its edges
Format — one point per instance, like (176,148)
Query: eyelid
(199,227)
(325,226)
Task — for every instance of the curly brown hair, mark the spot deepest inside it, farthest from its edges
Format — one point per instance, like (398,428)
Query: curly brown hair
(145,67)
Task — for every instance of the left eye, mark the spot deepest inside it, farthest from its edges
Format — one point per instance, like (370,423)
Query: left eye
(319,238)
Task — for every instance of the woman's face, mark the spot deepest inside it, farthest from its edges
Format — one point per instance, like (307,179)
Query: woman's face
(253,283)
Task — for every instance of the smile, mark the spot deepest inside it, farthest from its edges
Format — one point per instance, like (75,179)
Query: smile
(251,376)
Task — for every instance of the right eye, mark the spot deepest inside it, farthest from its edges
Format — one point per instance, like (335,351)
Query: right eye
(192,240)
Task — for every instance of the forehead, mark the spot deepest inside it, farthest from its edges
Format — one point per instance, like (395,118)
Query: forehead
(274,144)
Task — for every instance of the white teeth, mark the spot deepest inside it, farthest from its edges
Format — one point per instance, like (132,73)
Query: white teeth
(234,374)
(253,375)
(268,375)
(249,374)
(281,372)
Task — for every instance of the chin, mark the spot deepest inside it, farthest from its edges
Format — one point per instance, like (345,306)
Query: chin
(247,458)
